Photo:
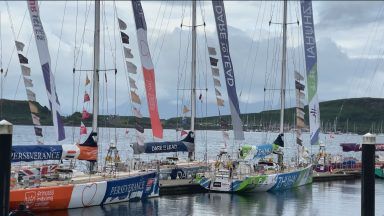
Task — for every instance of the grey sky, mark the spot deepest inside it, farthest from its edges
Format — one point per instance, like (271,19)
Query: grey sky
(349,41)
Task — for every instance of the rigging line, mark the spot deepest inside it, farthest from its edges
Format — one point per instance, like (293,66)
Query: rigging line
(254,61)
(74,49)
(250,51)
(159,35)
(370,47)
(125,68)
(157,16)
(355,81)
(166,28)
(61,33)
(80,50)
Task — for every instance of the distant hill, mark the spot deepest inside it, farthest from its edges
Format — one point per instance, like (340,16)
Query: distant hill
(361,114)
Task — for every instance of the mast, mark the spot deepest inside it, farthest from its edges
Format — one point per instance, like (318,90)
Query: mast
(96,55)
(193,74)
(283,77)
(96,50)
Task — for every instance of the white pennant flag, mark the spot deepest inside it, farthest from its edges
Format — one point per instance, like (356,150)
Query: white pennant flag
(131,67)
(127,53)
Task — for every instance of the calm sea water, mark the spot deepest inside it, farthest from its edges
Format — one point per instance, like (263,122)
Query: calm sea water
(329,198)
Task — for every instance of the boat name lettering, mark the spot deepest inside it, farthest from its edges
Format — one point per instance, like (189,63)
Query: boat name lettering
(36,155)
(123,189)
(164,147)
(286,180)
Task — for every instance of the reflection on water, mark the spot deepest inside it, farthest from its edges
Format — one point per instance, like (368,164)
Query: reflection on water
(323,198)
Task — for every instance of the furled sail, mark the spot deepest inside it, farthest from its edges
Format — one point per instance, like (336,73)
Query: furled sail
(148,70)
(185,145)
(222,33)
(248,152)
(45,61)
(311,67)
(85,151)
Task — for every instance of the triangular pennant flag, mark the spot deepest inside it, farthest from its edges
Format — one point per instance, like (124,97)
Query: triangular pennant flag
(299,86)
(131,67)
(132,83)
(298,76)
(85,114)
(140,138)
(183,133)
(122,24)
(135,98)
(22,59)
(124,38)
(86,97)
(299,141)
(87,81)
(105,77)
(300,122)
(211,50)
(225,135)
(300,94)
(19,46)
(299,103)
(25,70)
(300,113)
(127,53)
(215,72)
(35,119)
(213,61)
(83,129)
(138,127)
(185,109)
(28,82)
(216,82)
(220,102)
(137,113)
(33,107)
(31,95)
(217,92)
(201,97)
(38,131)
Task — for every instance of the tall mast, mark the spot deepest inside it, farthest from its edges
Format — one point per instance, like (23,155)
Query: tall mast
(96,55)
(283,78)
(283,69)
(193,76)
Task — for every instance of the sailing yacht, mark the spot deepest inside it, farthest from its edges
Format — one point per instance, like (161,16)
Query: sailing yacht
(64,190)
(171,168)
(251,172)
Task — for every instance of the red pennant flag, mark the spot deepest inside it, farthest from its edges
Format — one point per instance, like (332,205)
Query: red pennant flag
(86,97)
(183,132)
(83,129)
(85,114)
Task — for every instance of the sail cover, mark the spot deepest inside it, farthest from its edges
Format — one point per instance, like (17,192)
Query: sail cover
(222,33)
(311,67)
(248,152)
(84,151)
(148,70)
(185,145)
(45,61)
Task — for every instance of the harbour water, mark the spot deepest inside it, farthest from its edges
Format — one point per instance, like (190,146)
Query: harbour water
(320,198)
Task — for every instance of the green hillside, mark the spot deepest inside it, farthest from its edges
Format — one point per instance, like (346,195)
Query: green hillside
(361,114)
